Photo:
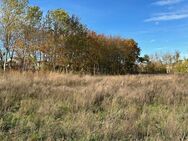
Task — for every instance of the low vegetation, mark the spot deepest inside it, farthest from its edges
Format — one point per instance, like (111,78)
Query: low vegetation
(50,106)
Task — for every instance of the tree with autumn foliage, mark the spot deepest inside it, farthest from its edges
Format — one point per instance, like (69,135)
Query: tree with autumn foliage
(28,42)
(113,55)
(12,13)
(58,41)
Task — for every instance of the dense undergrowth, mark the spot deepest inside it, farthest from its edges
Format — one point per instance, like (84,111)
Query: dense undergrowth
(70,107)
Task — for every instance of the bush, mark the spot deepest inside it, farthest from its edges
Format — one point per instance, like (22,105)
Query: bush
(181,67)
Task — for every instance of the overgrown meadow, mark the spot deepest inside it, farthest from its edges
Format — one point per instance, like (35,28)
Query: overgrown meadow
(51,106)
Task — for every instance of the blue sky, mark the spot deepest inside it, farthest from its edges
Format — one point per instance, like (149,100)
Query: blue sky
(157,25)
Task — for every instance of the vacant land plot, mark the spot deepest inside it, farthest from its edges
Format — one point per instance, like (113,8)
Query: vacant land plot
(50,106)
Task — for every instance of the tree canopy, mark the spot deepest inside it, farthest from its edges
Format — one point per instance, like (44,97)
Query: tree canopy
(58,41)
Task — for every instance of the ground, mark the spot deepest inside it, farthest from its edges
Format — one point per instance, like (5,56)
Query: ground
(51,106)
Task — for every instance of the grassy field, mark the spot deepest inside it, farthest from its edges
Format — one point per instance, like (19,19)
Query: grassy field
(84,108)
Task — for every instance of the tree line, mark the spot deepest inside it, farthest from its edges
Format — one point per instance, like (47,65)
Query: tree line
(58,41)
(163,63)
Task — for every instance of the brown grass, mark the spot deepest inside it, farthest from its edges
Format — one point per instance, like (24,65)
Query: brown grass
(51,106)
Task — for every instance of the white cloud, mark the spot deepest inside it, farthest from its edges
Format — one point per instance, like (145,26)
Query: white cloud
(167,2)
(168,16)
(152,40)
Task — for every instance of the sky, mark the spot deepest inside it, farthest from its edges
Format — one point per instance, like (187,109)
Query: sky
(157,25)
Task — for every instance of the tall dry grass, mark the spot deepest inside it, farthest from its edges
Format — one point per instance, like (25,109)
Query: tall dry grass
(51,106)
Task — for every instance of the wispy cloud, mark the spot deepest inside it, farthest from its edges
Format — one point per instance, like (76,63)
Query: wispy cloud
(168,16)
(167,2)
(152,41)
(158,29)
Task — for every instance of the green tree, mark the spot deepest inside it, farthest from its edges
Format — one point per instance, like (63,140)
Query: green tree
(55,25)
(76,46)
(29,35)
